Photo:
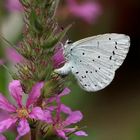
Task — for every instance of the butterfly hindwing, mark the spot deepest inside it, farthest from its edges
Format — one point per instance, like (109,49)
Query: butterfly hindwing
(91,77)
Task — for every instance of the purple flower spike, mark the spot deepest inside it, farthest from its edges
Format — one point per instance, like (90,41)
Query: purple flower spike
(21,113)
(87,11)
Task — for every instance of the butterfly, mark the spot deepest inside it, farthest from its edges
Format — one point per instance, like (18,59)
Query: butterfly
(94,60)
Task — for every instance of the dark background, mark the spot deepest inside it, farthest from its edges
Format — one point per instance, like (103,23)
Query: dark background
(113,113)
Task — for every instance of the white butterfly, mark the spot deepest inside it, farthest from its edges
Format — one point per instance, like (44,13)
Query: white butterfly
(94,60)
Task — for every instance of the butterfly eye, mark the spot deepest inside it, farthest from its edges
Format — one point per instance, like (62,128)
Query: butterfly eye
(68,42)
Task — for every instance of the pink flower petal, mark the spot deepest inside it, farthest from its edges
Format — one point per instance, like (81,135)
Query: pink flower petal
(34,94)
(51,108)
(2,137)
(13,56)
(58,58)
(5,124)
(73,118)
(48,116)
(65,109)
(37,113)
(6,105)
(66,91)
(4,114)
(81,133)
(16,91)
(61,134)
(23,127)
(69,130)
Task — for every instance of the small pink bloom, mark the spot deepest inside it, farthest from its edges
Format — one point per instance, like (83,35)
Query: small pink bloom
(13,5)
(21,113)
(87,11)
(60,125)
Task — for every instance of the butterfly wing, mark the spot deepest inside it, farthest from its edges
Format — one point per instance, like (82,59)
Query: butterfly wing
(94,60)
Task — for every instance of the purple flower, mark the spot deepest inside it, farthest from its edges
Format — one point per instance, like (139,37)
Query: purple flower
(58,58)
(14,5)
(87,11)
(60,126)
(21,113)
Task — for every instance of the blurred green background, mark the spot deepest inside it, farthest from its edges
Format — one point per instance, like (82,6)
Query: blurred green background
(113,113)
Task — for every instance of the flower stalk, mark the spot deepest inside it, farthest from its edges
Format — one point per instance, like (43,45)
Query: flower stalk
(41,116)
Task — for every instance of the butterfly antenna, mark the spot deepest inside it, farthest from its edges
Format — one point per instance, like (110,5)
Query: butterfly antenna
(7,42)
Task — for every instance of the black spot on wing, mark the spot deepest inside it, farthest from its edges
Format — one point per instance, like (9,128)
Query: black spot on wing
(113,52)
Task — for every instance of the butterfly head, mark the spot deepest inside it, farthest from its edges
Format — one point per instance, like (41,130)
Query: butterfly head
(67,48)
(68,42)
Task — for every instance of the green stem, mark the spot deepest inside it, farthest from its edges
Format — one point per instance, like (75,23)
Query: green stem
(33,134)
(3,73)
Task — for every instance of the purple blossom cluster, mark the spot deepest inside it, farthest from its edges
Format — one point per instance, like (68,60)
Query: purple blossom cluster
(19,114)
